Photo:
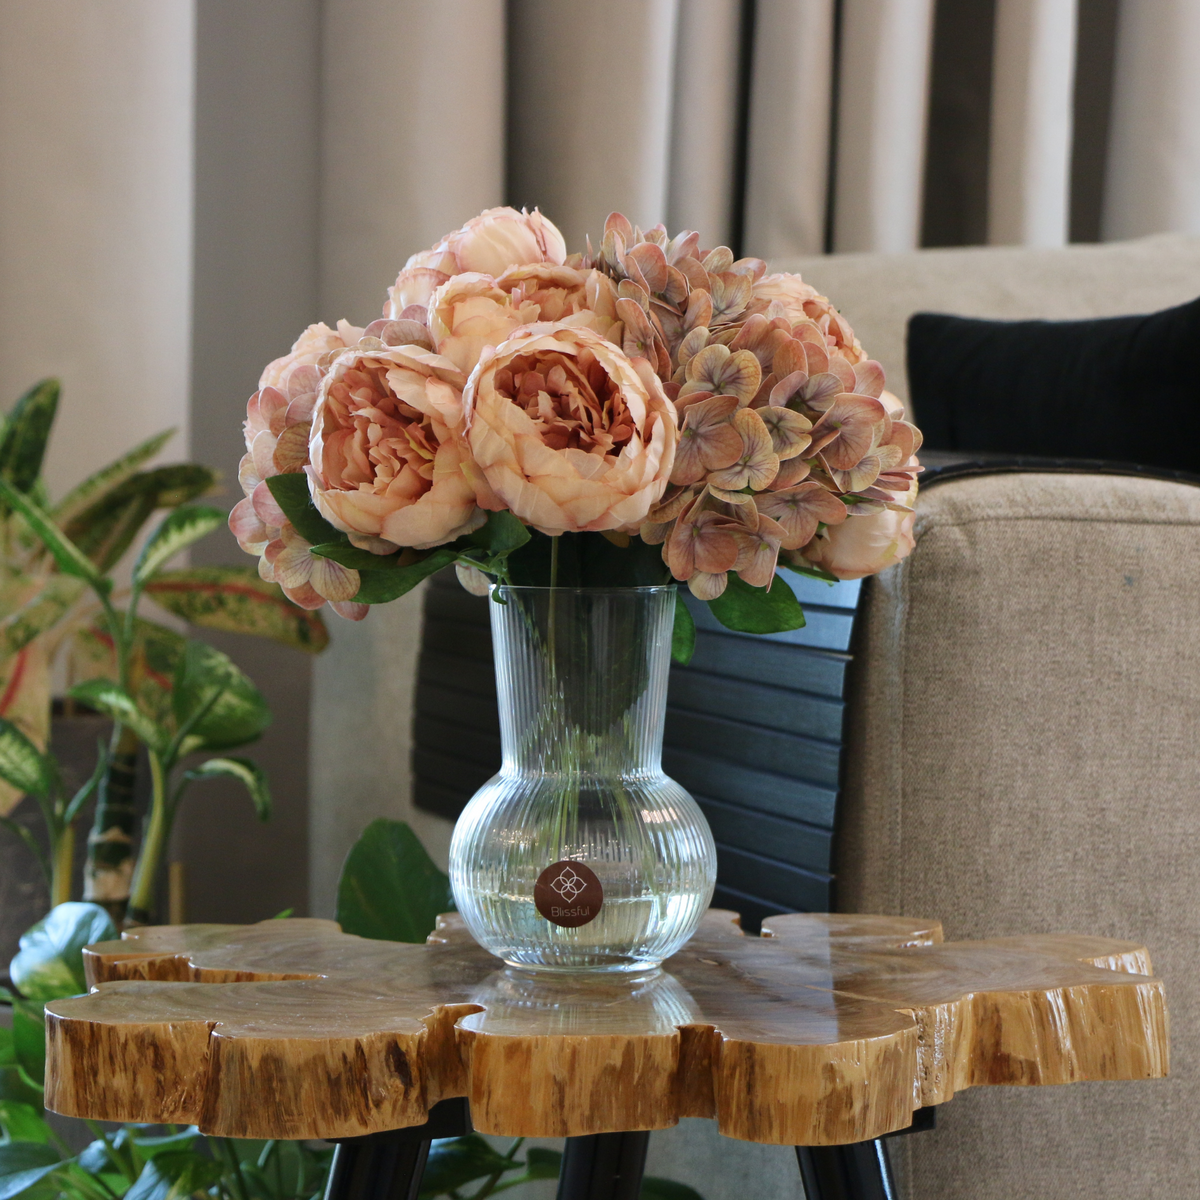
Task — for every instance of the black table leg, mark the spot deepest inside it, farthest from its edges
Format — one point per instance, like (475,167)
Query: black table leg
(389,1166)
(605,1166)
(860,1171)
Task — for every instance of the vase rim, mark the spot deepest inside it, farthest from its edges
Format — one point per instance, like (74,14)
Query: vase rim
(522,587)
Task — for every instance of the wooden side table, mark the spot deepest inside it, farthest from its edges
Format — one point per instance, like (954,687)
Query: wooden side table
(827,1034)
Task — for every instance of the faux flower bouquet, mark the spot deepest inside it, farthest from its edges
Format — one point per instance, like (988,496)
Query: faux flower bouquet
(640,411)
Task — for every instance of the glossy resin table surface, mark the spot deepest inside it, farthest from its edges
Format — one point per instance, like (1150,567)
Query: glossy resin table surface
(829,1029)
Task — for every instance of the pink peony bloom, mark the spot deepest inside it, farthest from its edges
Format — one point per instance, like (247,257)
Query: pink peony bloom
(469,311)
(387,455)
(493,242)
(569,433)
(789,291)
(864,545)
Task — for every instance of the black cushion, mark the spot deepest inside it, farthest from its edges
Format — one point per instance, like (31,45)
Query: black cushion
(1126,389)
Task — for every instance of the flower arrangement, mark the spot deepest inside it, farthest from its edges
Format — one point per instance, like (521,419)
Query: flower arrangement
(640,411)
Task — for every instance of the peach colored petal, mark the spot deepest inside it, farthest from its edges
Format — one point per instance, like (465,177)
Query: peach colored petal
(799,510)
(757,464)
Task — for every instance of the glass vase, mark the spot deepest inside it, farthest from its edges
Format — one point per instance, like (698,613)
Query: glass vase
(581,854)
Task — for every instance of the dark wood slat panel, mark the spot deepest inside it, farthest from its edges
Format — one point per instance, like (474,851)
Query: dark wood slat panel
(759,704)
(827,629)
(455,637)
(791,842)
(454,739)
(749,788)
(753,909)
(758,875)
(474,675)
(444,802)
(762,749)
(452,603)
(462,708)
(452,772)
(821,672)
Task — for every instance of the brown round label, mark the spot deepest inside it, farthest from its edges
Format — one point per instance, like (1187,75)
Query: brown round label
(568,894)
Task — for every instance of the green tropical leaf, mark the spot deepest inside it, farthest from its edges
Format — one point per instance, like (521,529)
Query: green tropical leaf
(381,587)
(50,961)
(654,1188)
(23,1122)
(683,633)
(215,701)
(176,533)
(543,1164)
(106,528)
(22,1164)
(26,432)
(110,698)
(22,764)
(29,1042)
(755,610)
(246,771)
(235,599)
(390,889)
(175,1173)
(40,613)
(455,1162)
(291,494)
(92,489)
(71,560)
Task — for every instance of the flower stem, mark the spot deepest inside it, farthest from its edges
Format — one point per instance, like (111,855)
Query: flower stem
(62,866)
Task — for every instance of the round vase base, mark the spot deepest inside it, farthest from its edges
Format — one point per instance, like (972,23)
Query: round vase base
(627,967)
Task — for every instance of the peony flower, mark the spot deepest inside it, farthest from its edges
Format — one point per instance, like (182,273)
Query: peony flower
(310,347)
(494,241)
(568,432)
(469,311)
(863,545)
(387,458)
(412,289)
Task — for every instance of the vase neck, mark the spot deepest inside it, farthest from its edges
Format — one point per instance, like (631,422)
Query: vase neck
(581,677)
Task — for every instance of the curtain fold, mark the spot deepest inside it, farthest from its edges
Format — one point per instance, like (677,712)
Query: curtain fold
(1153,177)
(589,110)
(1033,83)
(704,119)
(412,139)
(883,98)
(791,105)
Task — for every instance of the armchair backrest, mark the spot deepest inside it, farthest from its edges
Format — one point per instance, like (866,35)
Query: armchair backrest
(1023,755)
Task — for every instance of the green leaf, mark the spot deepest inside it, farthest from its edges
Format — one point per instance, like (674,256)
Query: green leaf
(216,700)
(183,527)
(112,699)
(22,764)
(22,1164)
(105,529)
(26,432)
(380,587)
(810,570)
(654,1188)
(350,556)
(43,611)
(244,770)
(71,560)
(29,1042)
(50,961)
(683,633)
(455,1162)
(755,610)
(91,490)
(236,600)
(501,534)
(390,888)
(23,1122)
(291,494)
(543,1164)
(175,1173)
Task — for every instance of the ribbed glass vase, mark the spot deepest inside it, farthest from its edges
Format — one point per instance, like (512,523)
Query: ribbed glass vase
(581,854)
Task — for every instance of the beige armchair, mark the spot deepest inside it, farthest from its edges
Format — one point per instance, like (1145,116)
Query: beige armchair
(1023,730)
(1023,754)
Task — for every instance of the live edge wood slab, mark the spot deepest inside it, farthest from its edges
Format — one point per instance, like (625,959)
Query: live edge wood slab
(829,1029)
